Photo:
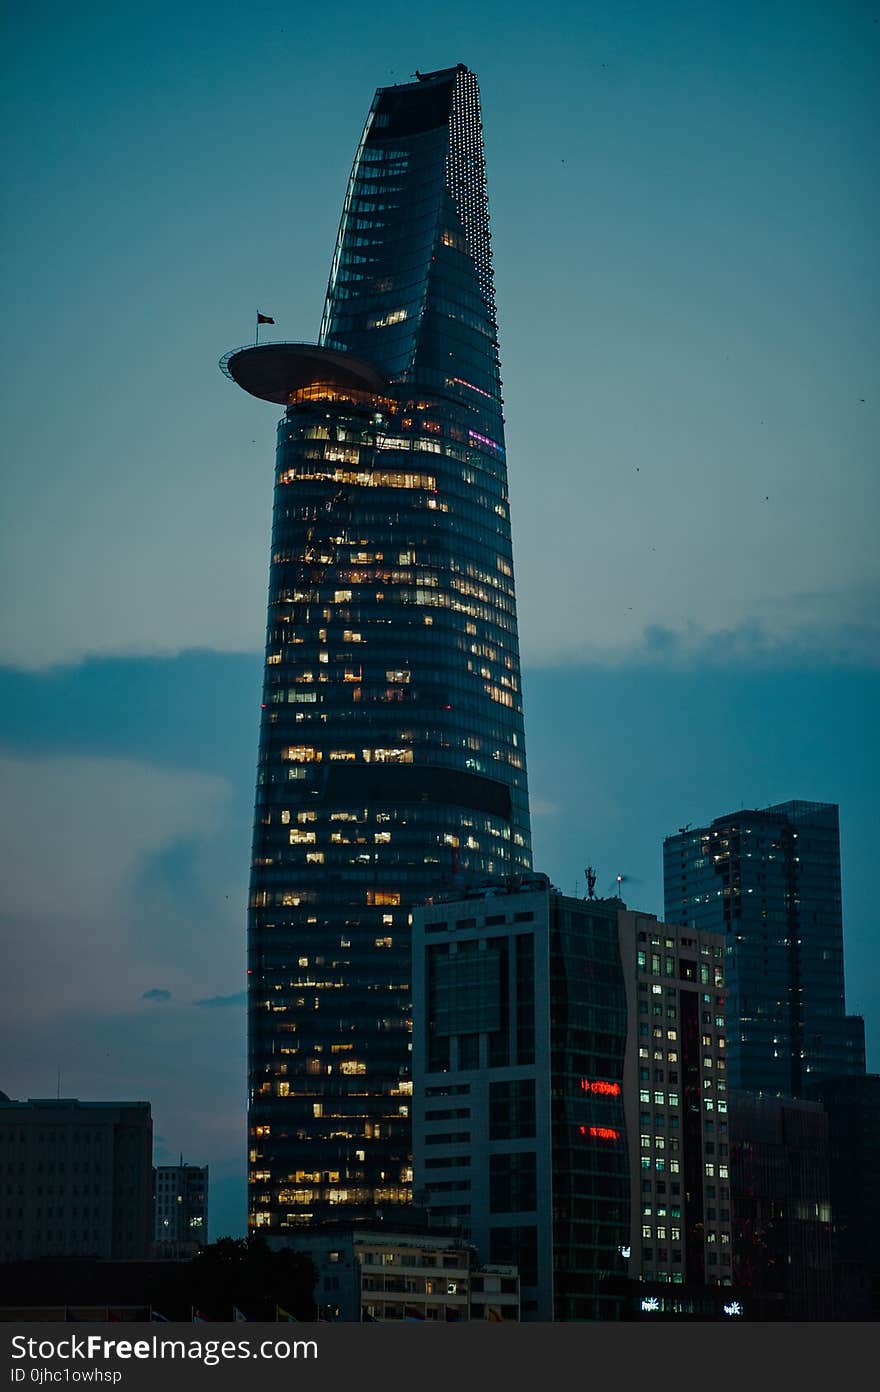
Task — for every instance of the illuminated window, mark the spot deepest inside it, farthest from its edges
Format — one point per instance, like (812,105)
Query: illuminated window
(394,316)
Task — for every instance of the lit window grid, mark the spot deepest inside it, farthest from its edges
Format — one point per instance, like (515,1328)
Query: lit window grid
(661,965)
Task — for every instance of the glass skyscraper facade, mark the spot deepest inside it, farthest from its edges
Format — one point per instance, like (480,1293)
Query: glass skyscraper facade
(392,760)
(769,881)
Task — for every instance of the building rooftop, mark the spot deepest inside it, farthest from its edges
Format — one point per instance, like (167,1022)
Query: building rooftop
(62,1104)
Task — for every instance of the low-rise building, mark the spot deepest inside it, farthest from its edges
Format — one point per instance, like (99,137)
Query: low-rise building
(371,1275)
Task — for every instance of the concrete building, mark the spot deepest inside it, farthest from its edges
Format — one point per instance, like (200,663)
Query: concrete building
(75,1179)
(371,1275)
(519,1035)
(180,1209)
(676,1103)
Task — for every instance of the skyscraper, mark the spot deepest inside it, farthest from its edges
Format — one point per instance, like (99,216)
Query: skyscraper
(676,1106)
(770,882)
(520,1138)
(392,761)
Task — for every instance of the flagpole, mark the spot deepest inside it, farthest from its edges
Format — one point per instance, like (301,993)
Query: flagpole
(257,338)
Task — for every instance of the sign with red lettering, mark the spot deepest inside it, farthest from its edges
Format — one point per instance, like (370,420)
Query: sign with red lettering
(600,1088)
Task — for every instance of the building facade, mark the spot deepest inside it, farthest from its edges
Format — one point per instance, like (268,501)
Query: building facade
(676,1106)
(392,760)
(781,1196)
(852,1106)
(769,881)
(370,1275)
(519,1010)
(180,1209)
(76,1179)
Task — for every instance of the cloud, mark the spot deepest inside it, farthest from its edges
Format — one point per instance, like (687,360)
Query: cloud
(218,1002)
(815,629)
(543,807)
(88,933)
(156,994)
(190,1065)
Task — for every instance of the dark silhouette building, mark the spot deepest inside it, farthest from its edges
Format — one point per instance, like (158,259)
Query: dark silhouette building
(180,1209)
(781,1198)
(76,1179)
(853,1109)
(392,760)
(769,881)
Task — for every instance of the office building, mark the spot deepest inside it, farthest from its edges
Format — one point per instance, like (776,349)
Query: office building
(675,1095)
(367,1274)
(852,1106)
(392,761)
(180,1209)
(769,880)
(519,1029)
(75,1179)
(781,1199)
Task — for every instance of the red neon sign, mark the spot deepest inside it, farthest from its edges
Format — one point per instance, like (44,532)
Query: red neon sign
(601,1133)
(600,1088)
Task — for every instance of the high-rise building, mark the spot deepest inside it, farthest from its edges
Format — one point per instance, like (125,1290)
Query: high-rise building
(180,1209)
(781,1206)
(76,1179)
(852,1106)
(519,1029)
(676,1107)
(392,761)
(769,881)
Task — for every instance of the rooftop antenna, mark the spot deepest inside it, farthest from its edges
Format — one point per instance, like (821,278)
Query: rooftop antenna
(58,1092)
(591,882)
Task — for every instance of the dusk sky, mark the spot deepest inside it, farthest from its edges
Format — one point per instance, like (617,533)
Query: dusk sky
(684,204)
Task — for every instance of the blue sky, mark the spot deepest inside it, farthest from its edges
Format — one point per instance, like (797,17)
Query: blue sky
(685,231)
